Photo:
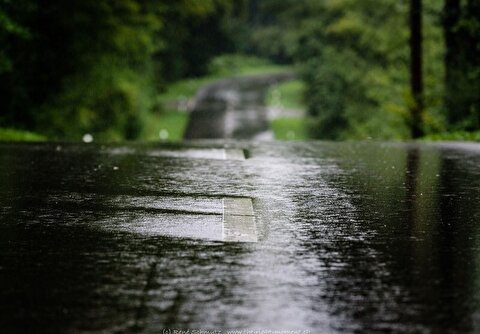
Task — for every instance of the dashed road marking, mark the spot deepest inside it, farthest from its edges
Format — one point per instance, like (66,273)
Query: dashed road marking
(234,154)
(239,220)
(238,206)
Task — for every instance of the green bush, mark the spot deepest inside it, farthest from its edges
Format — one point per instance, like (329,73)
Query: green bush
(109,101)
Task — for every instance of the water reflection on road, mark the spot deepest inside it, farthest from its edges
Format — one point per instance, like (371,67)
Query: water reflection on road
(366,237)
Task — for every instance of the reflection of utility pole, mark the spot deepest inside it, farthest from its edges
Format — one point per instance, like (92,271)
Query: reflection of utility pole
(416,76)
(412,170)
(411,203)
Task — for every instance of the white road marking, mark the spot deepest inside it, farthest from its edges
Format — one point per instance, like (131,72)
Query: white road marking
(239,220)
(238,206)
(234,154)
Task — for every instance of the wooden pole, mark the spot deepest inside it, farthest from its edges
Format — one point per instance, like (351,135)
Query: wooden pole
(416,68)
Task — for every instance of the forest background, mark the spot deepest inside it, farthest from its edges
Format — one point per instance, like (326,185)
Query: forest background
(108,67)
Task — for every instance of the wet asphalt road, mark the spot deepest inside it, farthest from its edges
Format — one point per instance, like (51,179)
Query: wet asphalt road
(349,237)
(233,108)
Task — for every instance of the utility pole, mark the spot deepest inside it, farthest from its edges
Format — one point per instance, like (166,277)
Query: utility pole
(416,68)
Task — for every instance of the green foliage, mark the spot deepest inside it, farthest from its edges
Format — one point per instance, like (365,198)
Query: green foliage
(193,33)
(355,57)
(115,109)
(462,33)
(87,67)
(73,67)
(102,67)
(8,134)
(10,28)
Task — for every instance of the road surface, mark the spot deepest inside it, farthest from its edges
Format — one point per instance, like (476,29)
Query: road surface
(317,237)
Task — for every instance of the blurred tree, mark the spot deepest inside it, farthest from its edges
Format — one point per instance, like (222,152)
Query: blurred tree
(193,35)
(81,69)
(78,66)
(462,61)
(354,57)
(356,73)
(10,29)
(13,32)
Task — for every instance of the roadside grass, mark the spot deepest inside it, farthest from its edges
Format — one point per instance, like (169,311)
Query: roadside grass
(454,136)
(166,125)
(290,128)
(9,134)
(287,94)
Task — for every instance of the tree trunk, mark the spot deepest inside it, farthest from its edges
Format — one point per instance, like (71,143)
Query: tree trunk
(416,73)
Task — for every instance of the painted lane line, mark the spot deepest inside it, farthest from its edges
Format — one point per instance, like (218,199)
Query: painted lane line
(238,220)
(238,206)
(234,154)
